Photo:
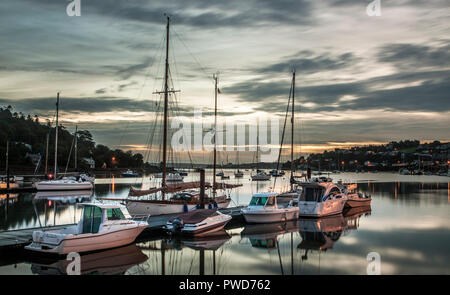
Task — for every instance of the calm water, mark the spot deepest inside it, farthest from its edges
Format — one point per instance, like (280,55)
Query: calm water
(408,225)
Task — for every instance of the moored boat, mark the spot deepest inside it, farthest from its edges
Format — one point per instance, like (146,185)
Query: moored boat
(80,182)
(129,173)
(263,208)
(261,176)
(320,197)
(198,222)
(102,226)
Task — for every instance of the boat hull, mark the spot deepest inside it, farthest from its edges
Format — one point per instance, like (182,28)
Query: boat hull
(360,202)
(263,216)
(314,209)
(202,230)
(163,208)
(89,242)
(62,186)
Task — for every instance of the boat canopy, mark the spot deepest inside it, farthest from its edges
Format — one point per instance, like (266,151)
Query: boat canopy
(196,216)
(264,199)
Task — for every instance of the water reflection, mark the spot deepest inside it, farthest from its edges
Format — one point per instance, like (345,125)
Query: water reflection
(110,262)
(408,226)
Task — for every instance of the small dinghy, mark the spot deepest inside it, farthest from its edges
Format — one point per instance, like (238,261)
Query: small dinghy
(263,208)
(103,226)
(198,222)
(355,198)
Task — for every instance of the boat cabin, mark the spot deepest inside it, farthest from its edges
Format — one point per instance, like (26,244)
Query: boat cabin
(96,215)
(320,192)
(264,200)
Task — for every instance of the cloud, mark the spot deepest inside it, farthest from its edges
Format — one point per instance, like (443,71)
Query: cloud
(304,62)
(413,56)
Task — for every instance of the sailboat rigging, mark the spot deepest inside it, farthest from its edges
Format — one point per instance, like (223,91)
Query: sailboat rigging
(181,200)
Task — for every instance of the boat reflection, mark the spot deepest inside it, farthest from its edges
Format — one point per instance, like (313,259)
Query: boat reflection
(211,242)
(64,197)
(110,262)
(321,234)
(266,235)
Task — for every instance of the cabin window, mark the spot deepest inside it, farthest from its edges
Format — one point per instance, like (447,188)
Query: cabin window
(271,201)
(114,214)
(311,194)
(258,201)
(92,218)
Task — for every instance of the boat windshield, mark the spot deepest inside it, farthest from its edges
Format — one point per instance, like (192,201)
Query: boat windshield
(258,201)
(92,218)
(114,214)
(311,194)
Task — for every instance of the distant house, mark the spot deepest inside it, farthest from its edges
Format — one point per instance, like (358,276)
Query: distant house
(90,162)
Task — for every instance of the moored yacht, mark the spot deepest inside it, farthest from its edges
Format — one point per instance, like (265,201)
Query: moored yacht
(320,197)
(79,182)
(102,226)
(263,208)
(261,176)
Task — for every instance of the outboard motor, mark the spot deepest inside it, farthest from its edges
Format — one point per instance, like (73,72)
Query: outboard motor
(177,225)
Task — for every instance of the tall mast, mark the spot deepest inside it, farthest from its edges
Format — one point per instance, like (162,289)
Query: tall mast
(56,136)
(76,146)
(292,127)
(166,103)
(215,77)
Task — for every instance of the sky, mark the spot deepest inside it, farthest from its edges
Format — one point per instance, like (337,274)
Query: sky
(360,79)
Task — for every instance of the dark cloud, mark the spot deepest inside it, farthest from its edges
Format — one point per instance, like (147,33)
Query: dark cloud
(304,62)
(413,56)
(432,93)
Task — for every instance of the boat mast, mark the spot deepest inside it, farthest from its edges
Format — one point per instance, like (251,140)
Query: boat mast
(215,77)
(56,136)
(76,146)
(292,129)
(166,103)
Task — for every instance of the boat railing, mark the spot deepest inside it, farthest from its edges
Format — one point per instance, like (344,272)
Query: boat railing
(140,217)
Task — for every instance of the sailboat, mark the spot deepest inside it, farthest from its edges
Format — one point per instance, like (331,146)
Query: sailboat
(181,200)
(260,175)
(79,182)
(294,191)
(238,173)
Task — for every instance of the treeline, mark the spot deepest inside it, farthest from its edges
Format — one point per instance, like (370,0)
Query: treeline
(27,135)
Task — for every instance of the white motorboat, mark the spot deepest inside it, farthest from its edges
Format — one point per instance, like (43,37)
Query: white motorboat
(81,182)
(263,208)
(103,226)
(320,197)
(261,176)
(129,173)
(355,198)
(174,177)
(238,174)
(198,222)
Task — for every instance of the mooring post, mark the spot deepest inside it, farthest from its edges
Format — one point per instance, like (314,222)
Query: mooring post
(7,165)
(202,188)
